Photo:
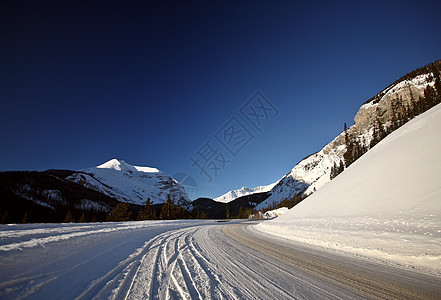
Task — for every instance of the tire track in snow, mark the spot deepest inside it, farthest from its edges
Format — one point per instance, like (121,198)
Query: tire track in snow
(244,273)
(100,283)
(157,281)
(173,268)
(126,285)
(28,285)
(215,283)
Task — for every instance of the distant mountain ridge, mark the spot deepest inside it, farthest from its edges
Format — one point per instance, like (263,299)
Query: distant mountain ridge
(244,191)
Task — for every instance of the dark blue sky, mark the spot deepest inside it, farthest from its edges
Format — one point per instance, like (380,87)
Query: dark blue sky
(82,83)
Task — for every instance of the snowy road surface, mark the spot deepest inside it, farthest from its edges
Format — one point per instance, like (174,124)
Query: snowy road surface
(188,260)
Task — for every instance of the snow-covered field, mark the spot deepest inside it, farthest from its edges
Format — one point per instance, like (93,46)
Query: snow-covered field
(386,205)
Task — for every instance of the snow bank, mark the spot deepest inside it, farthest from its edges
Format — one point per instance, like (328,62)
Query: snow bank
(386,205)
(276,212)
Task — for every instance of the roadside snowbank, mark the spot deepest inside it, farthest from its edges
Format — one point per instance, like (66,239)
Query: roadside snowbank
(275,212)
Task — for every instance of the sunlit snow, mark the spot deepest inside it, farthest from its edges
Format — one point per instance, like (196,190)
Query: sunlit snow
(386,205)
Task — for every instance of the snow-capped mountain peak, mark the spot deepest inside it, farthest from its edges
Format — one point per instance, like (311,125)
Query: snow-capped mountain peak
(129,183)
(121,165)
(244,191)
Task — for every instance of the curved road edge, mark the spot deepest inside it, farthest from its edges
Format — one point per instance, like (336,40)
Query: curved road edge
(367,279)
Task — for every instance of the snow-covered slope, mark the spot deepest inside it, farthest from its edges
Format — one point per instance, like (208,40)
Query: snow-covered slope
(386,204)
(244,191)
(401,174)
(313,172)
(133,184)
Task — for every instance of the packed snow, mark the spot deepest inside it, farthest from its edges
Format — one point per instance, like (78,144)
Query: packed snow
(132,184)
(386,205)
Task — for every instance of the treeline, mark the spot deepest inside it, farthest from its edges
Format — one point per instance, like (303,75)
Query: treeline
(434,67)
(401,114)
(167,211)
(290,202)
(35,215)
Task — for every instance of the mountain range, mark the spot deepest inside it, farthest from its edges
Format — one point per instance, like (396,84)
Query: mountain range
(98,190)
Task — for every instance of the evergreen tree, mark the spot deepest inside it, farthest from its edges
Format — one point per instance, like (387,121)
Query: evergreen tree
(375,136)
(430,97)
(25,219)
(334,170)
(241,213)
(407,116)
(381,131)
(6,218)
(341,167)
(82,218)
(168,209)
(146,212)
(195,213)
(121,213)
(180,212)
(394,111)
(437,85)
(248,212)
(69,218)
(349,148)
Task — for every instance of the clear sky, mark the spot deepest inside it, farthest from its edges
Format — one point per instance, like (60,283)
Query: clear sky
(152,84)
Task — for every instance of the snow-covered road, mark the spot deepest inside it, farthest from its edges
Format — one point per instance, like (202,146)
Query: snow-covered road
(187,260)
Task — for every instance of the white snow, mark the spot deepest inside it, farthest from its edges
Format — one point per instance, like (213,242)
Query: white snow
(121,165)
(275,212)
(129,183)
(244,191)
(385,205)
